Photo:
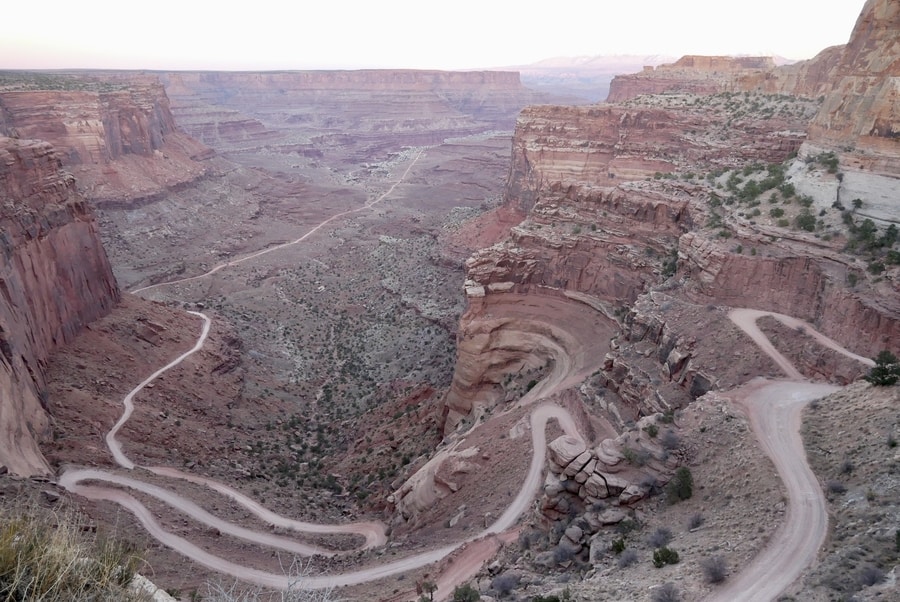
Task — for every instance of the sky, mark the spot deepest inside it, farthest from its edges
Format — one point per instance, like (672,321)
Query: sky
(421,34)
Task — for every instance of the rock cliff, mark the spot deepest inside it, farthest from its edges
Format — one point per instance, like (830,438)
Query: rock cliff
(117,136)
(690,74)
(369,110)
(860,118)
(54,279)
(603,227)
(705,75)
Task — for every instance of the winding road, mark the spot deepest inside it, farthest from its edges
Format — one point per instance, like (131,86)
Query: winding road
(773,407)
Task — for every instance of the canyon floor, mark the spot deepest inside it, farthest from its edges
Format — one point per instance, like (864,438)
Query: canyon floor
(334,282)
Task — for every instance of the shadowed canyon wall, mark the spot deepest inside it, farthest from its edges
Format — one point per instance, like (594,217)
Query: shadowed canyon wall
(54,279)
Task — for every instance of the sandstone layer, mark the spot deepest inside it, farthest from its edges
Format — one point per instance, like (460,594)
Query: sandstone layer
(308,112)
(690,74)
(54,279)
(860,119)
(117,136)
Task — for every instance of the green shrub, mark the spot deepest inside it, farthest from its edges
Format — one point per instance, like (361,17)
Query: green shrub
(681,487)
(466,593)
(886,371)
(664,556)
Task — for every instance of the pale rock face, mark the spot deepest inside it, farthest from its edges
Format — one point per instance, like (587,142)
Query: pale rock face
(860,118)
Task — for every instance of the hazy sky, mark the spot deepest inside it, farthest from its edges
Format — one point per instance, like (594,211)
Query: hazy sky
(453,34)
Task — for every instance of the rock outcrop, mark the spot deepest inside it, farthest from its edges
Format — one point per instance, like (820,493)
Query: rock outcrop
(707,75)
(860,118)
(602,227)
(690,74)
(116,135)
(54,279)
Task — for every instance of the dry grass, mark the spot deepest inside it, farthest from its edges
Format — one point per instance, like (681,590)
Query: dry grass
(53,556)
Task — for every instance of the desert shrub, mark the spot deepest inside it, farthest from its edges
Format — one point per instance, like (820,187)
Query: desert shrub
(836,487)
(667,592)
(659,538)
(670,440)
(681,487)
(627,558)
(805,221)
(886,371)
(652,430)
(618,545)
(664,556)
(529,538)
(505,583)
(695,521)
(870,575)
(714,569)
(466,593)
(627,526)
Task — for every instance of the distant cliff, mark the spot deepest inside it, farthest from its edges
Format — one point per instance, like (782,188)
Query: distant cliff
(117,136)
(54,279)
(718,74)
(690,74)
(368,110)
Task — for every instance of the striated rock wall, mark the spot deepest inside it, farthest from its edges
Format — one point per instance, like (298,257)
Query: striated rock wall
(860,118)
(118,136)
(706,75)
(690,74)
(799,282)
(372,110)
(605,145)
(54,279)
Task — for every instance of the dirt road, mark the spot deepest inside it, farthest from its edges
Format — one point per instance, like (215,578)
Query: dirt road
(774,409)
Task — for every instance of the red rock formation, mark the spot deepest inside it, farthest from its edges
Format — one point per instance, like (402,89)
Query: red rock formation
(54,279)
(118,137)
(717,74)
(860,118)
(800,281)
(592,238)
(689,75)
(604,145)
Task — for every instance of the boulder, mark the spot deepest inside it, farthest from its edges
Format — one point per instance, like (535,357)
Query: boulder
(563,450)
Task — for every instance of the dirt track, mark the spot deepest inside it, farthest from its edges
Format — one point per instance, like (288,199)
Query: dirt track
(774,410)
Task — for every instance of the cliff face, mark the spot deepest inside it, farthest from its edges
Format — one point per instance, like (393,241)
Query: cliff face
(54,279)
(706,75)
(118,138)
(689,75)
(603,145)
(370,110)
(602,243)
(860,119)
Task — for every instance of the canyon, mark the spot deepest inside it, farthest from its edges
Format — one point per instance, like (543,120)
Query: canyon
(400,265)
